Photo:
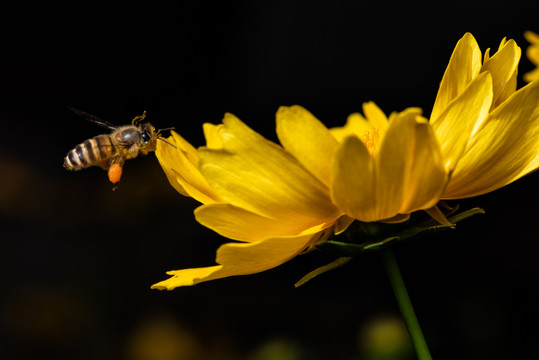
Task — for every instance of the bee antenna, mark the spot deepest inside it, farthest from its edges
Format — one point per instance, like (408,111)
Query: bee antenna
(165,129)
(163,139)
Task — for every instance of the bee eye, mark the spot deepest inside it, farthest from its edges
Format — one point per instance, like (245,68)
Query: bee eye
(146,136)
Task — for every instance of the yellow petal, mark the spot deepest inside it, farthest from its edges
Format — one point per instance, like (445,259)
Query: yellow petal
(410,174)
(507,91)
(188,277)
(503,68)
(531,37)
(396,219)
(375,116)
(342,224)
(427,176)
(407,174)
(461,118)
(307,139)
(356,125)
(531,75)
(438,215)
(463,67)
(532,53)
(181,167)
(392,163)
(253,173)
(504,149)
(239,224)
(353,181)
(211,133)
(243,259)
(167,156)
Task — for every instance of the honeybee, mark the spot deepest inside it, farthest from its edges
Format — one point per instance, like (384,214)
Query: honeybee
(111,151)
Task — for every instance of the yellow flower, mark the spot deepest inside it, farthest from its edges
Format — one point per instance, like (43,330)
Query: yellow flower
(278,201)
(386,167)
(501,138)
(253,191)
(532,52)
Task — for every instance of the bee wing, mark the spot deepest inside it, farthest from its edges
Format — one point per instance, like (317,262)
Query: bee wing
(93,118)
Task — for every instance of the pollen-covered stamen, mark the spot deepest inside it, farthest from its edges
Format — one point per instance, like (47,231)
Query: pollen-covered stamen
(370,139)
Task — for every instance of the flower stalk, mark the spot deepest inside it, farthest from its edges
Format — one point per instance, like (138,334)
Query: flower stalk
(405,305)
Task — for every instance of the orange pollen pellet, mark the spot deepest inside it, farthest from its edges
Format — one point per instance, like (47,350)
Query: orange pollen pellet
(115,173)
(370,139)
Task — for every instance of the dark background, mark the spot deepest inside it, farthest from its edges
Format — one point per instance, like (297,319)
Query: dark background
(77,260)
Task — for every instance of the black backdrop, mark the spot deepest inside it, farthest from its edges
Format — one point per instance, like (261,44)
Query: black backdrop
(77,260)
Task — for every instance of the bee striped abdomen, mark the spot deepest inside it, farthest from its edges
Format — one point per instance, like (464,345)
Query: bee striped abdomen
(92,152)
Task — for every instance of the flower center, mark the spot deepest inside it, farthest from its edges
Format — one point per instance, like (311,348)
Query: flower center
(370,139)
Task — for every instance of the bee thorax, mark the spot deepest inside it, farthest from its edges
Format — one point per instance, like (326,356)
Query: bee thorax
(129,135)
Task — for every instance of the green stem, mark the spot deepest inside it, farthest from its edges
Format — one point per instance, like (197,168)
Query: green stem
(405,305)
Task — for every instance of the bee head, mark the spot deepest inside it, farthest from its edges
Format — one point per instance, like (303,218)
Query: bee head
(148,133)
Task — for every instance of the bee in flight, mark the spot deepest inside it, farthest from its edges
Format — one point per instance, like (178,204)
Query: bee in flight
(112,150)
